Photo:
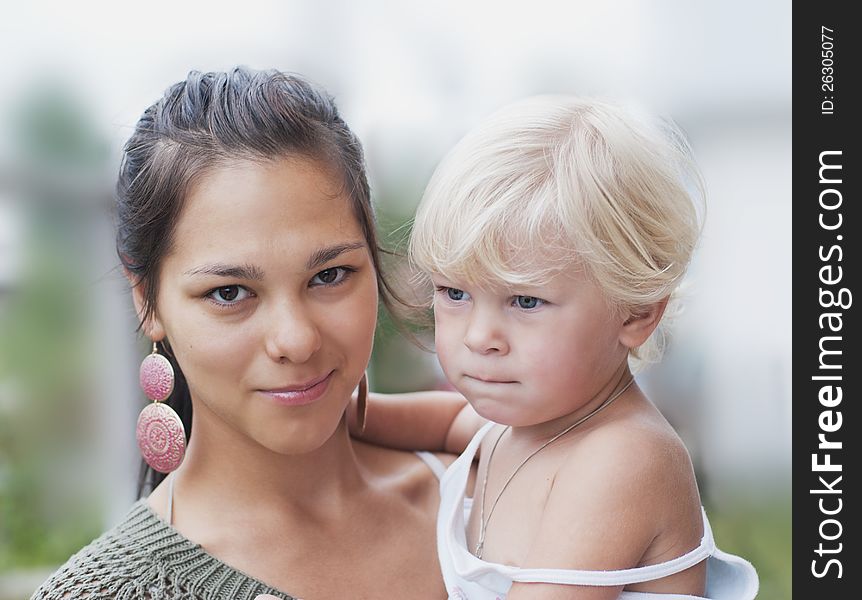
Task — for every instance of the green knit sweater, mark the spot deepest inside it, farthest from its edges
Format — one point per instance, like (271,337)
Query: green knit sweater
(145,558)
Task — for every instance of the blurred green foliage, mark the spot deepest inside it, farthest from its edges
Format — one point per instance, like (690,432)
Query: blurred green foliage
(52,129)
(403,341)
(46,371)
(43,373)
(760,531)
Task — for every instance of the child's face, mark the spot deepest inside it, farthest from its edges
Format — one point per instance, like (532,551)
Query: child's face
(527,355)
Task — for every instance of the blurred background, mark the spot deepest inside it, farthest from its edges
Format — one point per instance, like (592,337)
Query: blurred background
(411,78)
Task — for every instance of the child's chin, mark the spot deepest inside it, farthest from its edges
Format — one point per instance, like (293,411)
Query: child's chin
(494,410)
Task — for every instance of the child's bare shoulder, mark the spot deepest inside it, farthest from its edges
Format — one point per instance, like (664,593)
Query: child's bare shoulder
(636,454)
(632,475)
(641,440)
(624,495)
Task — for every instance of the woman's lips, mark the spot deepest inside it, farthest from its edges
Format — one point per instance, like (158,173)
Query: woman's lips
(299,395)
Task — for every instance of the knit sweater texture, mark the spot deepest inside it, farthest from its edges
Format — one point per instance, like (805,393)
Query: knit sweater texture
(144,558)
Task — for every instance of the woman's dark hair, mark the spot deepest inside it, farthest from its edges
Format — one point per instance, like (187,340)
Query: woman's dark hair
(204,122)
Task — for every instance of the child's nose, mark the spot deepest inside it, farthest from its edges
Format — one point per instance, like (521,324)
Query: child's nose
(485,333)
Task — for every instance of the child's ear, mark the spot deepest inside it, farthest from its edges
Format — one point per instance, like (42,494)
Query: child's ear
(151,326)
(640,324)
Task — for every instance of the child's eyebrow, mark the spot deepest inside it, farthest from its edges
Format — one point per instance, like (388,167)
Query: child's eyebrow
(324,255)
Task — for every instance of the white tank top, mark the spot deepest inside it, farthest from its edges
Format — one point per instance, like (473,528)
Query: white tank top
(467,577)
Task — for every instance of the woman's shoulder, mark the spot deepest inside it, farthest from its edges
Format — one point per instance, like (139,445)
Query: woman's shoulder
(104,565)
(411,472)
(143,556)
(380,460)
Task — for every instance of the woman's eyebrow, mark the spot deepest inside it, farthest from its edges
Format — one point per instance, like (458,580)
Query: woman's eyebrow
(249,272)
(253,273)
(324,255)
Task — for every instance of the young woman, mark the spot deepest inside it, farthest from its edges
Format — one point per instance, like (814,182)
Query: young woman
(247,234)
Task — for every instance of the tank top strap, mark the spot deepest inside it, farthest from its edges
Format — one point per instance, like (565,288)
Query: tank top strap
(435,464)
(623,576)
(169,513)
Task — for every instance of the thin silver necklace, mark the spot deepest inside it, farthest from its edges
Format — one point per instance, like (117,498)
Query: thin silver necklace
(483,523)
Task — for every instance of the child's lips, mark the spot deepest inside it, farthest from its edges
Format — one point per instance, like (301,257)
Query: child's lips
(488,379)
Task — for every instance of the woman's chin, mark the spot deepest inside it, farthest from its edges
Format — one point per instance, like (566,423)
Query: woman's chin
(297,439)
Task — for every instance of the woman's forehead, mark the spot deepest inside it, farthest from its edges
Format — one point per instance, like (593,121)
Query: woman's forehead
(247,209)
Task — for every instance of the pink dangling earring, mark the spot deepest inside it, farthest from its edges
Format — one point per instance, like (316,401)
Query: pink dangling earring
(160,432)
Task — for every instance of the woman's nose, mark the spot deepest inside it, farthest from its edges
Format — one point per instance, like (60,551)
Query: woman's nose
(485,333)
(292,334)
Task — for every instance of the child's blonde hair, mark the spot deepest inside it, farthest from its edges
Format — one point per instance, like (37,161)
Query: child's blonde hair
(556,181)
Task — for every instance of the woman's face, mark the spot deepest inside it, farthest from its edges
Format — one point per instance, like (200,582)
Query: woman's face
(269,301)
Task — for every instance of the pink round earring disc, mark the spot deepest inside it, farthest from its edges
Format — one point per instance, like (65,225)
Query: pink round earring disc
(161,437)
(157,377)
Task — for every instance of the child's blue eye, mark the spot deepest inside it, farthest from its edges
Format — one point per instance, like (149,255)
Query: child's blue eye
(528,302)
(455,294)
(228,294)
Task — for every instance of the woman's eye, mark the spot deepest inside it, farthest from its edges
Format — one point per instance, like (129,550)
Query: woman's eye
(228,294)
(332,276)
(528,302)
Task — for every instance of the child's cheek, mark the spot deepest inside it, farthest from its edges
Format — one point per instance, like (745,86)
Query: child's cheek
(445,343)
(557,363)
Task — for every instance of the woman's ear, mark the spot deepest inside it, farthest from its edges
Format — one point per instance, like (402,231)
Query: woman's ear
(639,325)
(151,326)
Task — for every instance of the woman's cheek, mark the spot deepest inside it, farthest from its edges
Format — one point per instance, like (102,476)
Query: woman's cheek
(353,321)
(214,347)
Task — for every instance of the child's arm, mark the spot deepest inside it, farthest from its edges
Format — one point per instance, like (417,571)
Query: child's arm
(436,421)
